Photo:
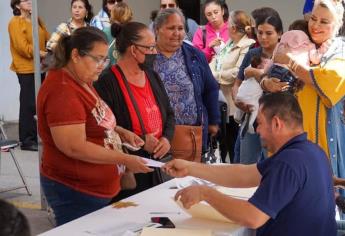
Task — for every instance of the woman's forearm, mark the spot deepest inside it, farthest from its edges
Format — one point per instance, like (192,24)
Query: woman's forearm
(93,153)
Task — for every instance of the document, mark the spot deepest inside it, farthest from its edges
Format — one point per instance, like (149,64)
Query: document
(203,210)
(153,163)
(174,232)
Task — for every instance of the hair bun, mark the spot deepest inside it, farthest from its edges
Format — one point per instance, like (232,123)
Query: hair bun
(248,28)
(115,28)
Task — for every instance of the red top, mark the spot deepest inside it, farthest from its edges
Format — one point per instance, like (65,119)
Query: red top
(62,101)
(148,108)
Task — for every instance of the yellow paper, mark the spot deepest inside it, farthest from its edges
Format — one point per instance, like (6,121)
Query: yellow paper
(174,232)
(204,211)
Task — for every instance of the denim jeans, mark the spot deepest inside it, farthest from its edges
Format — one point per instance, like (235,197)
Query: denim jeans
(67,203)
(248,149)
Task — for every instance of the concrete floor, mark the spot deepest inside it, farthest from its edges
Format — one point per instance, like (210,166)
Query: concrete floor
(39,219)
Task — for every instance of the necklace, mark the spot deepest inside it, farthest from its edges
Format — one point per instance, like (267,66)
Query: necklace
(82,83)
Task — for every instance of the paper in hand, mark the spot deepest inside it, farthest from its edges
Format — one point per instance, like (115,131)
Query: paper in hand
(153,163)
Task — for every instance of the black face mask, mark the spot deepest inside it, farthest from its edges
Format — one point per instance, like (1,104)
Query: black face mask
(148,62)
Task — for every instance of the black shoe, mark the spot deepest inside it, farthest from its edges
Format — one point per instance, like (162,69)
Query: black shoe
(32,147)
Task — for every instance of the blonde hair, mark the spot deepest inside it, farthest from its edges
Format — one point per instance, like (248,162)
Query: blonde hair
(336,9)
(243,22)
(121,13)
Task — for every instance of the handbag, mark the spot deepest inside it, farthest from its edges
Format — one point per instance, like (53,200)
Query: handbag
(187,142)
(127,180)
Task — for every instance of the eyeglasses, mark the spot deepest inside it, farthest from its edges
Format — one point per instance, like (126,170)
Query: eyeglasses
(170,5)
(151,48)
(104,62)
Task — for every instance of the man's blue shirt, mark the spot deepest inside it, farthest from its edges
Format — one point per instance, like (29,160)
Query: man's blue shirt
(296,191)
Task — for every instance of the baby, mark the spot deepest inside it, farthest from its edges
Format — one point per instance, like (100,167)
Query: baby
(300,47)
(249,92)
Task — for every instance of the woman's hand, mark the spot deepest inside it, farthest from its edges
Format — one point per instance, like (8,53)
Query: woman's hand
(253,72)
(213,130)
(150,143)
(247,108)
(136,164)
(281,56)
(43,54)
(162,148)
(274,85)
(215,42)
(129,137)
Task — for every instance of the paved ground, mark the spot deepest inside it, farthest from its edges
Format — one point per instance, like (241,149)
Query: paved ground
(9,177)
(39,219)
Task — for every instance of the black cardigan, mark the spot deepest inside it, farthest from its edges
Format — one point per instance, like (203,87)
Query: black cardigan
(109,90)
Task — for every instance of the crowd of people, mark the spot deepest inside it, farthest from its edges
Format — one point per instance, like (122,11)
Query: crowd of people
(116,90)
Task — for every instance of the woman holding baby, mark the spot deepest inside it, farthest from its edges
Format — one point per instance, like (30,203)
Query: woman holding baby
(322,96)
(269,29)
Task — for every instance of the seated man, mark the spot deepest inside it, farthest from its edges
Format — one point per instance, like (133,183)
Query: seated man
(295,191)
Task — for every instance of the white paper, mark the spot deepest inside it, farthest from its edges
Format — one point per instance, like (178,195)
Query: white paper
(153,163)
(203,210)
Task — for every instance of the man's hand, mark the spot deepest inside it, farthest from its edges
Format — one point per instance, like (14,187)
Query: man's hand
(178,168)
(191,195)
(162,148)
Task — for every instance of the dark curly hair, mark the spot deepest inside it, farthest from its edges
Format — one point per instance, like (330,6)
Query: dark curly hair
(16,11)
(88,7)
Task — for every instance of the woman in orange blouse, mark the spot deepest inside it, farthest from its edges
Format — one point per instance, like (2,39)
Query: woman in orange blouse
(21,45)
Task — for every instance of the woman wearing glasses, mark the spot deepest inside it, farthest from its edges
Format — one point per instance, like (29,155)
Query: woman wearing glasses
(82,162)
(21,45)
(137,96)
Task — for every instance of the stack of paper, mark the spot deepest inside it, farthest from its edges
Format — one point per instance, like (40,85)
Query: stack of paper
(204,211)
(174,232)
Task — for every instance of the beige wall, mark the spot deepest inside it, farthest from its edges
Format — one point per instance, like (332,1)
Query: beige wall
(54,12)
(289,10)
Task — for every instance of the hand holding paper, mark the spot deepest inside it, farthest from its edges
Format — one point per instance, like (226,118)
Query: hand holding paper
(153,163)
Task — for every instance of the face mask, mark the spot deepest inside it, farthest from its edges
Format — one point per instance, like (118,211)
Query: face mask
(148,62)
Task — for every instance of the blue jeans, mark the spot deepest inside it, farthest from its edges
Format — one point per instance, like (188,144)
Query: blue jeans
(248,149)
(67,203)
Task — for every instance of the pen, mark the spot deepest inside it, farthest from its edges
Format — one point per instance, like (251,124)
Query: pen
(165,212)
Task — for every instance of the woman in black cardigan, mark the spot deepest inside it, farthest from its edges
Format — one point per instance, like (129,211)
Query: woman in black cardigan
(137,97)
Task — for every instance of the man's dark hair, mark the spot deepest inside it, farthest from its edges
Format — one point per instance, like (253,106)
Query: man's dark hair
(12,221)
(284,105)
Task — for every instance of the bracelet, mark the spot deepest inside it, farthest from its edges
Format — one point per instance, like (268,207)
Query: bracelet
(262,84)
(293,65)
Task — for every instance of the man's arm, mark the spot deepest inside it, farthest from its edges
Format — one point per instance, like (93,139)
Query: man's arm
(240,211)
(239,176)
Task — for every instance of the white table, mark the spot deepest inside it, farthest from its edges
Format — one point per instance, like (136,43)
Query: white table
(108,220)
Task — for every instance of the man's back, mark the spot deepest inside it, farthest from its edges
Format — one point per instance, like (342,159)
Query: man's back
(296,191)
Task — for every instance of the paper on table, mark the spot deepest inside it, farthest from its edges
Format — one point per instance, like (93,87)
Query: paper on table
(174,232)
(153,163)
(240,193)
(204,211)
